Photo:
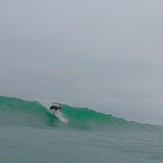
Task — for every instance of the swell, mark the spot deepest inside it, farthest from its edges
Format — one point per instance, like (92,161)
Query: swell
(17,112)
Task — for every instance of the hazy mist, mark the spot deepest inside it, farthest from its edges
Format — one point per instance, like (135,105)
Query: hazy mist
(104,54)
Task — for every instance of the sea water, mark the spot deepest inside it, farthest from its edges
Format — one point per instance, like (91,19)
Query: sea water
(30,134)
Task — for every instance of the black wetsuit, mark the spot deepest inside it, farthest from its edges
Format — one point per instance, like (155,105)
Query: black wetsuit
(55,108)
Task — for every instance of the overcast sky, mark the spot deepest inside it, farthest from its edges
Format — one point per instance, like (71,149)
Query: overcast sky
(102,54)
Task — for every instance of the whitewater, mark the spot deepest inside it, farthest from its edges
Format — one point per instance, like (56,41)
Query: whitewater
(29,133)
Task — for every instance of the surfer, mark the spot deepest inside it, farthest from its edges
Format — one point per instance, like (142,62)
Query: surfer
(55,111)
(55,107)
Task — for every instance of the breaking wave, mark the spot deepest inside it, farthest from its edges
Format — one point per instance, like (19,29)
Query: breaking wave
(17,112)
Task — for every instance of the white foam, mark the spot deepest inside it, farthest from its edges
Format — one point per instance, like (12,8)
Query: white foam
(60,116)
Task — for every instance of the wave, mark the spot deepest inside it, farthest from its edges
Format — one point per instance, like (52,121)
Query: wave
(17,112)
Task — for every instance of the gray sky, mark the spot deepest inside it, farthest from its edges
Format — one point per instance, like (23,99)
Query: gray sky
(103,54)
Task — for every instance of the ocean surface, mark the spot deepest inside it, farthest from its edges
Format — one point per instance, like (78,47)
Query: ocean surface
(29,133)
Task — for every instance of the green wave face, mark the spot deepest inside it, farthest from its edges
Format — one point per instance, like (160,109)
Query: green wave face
(18,112)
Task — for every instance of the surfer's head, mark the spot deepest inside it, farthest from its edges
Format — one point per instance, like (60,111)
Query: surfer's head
(55,107)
